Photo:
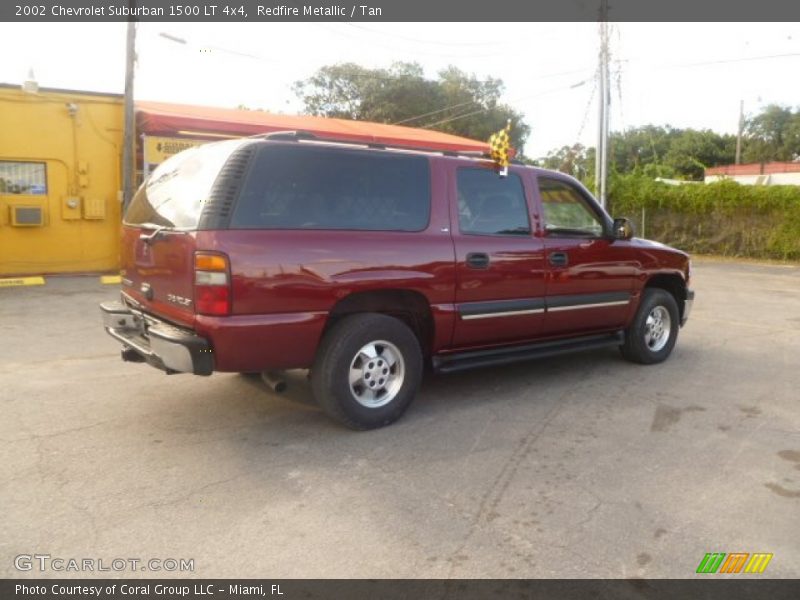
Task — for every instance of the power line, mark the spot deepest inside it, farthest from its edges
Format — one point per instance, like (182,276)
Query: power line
(446,108)
(475,112)
(721,61)
(619,95)
(434,112)
(588,108)
(421,41)
(433,53)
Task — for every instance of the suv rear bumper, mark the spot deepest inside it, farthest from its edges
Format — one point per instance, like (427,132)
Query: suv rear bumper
(159,344)
(687,306)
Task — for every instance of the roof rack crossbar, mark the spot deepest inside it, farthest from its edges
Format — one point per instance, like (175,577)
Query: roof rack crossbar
(286,135)
(307,135)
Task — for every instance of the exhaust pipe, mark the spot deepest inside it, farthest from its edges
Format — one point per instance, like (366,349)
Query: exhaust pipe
(275,381)
(131,355)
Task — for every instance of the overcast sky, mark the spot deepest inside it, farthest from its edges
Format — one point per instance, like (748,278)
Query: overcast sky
(655,70)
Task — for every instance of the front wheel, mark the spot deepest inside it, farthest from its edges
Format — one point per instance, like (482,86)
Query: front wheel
(367,371)
(654,330)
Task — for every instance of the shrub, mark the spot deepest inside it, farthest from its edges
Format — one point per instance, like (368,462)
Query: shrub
(723,218)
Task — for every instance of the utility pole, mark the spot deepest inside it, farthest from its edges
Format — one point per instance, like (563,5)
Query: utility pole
(739,134)
(601,157)
(129,132)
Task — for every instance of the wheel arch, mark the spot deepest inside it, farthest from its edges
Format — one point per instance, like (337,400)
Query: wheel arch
(672,283)
(409,306)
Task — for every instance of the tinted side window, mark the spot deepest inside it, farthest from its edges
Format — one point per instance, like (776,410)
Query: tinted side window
(566,211)
(489,204)
(305,187)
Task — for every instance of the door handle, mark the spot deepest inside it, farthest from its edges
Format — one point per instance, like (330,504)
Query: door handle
(558,259)
(478,260)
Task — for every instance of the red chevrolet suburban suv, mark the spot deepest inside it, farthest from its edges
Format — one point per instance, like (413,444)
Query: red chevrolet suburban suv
(365,263)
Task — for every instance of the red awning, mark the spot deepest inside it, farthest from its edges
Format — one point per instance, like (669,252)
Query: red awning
(770,168)
(159,118)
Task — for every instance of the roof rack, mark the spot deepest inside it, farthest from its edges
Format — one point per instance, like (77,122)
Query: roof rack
(298,135)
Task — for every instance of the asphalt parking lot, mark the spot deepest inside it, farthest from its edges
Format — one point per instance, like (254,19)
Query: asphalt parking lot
(578,466)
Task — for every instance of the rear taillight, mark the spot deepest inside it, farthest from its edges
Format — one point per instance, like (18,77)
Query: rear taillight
(212,284)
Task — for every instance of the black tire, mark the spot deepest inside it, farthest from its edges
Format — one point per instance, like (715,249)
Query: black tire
(638,347)
(340,350)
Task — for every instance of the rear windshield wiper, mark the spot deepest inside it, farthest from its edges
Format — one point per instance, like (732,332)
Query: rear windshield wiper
(157,230)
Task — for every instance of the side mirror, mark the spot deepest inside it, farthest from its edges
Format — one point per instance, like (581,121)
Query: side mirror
(622,229)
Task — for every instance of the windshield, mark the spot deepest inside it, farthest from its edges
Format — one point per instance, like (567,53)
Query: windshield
(174,194)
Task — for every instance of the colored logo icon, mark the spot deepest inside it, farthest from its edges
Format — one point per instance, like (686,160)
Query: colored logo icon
(735,562)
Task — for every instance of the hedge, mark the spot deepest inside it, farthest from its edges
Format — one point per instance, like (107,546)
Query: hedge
(723,218)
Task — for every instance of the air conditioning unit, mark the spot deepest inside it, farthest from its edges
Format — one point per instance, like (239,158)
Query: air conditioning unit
(27,216)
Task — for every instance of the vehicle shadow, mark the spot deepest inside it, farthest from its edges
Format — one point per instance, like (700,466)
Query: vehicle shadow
(442,393)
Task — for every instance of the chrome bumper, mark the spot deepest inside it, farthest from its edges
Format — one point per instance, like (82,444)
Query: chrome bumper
(164,346)
(687,306)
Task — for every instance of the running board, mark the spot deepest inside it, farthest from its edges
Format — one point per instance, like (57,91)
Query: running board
(462,361)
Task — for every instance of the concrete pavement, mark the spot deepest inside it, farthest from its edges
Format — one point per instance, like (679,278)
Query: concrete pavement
(577,466)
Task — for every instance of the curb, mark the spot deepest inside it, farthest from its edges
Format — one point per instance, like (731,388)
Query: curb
(38,280)
(20,281)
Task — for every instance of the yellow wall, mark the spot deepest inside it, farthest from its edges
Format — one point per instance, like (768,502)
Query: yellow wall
(83,157)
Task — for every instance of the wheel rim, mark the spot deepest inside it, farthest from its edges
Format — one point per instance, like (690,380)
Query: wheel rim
(376,374)
(657,328)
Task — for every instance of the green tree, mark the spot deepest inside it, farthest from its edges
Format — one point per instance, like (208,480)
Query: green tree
(692,151)
(572,160)
(773,134)
(633,149)
(664,151)
(455,102)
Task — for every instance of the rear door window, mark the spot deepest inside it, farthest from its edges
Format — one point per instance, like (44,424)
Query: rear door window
(304,187)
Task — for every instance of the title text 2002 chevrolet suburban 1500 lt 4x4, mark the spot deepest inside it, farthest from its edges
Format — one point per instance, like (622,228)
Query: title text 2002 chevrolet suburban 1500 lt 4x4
(365,264)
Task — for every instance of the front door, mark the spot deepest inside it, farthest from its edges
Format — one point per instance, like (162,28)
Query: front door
(590,276)
(500,270)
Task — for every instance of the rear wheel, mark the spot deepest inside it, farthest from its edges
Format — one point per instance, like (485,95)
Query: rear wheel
(654,330)
(367,370)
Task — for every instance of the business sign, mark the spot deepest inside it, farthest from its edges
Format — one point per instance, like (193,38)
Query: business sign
(157,149)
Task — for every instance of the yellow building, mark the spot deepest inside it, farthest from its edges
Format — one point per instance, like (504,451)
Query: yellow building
(60,181)
(61,166)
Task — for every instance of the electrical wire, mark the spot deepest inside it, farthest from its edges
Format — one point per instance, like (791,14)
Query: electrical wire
(421,41)
(475,112)
(585,119)
(446,108)
(619,95)
(720,61)
(434,53)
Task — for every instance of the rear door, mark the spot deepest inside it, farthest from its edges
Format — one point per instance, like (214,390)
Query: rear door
(590,276)
(159,232)
(500,269)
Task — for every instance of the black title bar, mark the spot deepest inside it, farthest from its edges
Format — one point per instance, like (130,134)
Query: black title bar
(399,10)
(704,587)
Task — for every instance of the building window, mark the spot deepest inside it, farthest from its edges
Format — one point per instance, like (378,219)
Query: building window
(29,178)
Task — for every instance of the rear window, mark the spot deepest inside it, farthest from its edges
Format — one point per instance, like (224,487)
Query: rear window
(173,196)
(305,187)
